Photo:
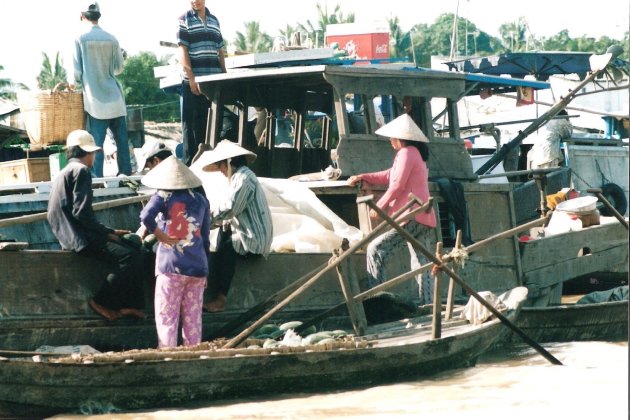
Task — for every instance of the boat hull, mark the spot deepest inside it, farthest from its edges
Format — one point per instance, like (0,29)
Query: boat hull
(31,388)
(607,321)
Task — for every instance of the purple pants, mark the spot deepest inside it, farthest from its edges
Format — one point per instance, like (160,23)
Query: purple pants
(178,296)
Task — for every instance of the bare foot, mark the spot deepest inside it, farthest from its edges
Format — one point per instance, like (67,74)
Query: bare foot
(133,312)
(109,314)
(217,304)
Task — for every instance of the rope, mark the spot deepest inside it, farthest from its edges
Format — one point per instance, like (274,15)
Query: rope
(458,256)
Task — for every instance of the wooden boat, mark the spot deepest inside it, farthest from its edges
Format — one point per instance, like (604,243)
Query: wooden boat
(150,379)
(606,321)
(47,290)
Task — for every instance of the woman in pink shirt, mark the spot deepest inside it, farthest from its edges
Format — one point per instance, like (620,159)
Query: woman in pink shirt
(408,174)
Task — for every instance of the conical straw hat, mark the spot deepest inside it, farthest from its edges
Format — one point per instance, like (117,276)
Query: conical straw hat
(403,128)
(225,150)
(171,174)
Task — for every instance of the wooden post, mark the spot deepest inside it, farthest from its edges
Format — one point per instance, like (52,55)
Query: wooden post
(437,297)
(450,296)
(346,280)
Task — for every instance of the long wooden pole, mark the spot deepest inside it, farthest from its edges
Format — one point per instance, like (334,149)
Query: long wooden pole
(30,218)
(406,276)
(600,195)
(333,264)
(442,266)
(282,294)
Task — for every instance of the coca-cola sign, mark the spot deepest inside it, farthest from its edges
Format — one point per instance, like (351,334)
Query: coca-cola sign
(382,49)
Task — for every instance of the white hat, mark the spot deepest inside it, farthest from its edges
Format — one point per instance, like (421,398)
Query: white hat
(225,150)
(171,174)
(149,150)
(403,128)
(83,140)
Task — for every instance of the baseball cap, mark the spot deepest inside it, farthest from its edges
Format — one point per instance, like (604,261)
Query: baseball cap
(82,139)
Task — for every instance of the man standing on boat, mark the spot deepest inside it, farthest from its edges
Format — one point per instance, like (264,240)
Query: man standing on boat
(73,222)
(546,152)
(202,53)
(247,228)
(97,60)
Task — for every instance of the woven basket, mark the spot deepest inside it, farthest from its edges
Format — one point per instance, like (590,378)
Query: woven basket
(49,116)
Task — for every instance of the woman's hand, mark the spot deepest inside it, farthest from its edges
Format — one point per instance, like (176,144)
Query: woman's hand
(354,180)
(164,238)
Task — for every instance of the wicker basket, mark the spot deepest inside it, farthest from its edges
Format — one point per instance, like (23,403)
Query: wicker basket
(49,116)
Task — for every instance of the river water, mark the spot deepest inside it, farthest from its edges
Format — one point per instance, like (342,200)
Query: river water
(515,383)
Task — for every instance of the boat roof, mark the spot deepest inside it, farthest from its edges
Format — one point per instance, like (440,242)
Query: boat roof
(428,82)
(541,64)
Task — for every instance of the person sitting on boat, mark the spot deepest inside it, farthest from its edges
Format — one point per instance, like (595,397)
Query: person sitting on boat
(244,213)
(182,228)
(73,222)
(408,174)
(546,152)
(152,154)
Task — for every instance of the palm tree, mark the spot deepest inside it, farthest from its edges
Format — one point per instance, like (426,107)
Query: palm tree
(8,89)
(514,35)
(317,31)
(253,40)
(399,40)
(50,76)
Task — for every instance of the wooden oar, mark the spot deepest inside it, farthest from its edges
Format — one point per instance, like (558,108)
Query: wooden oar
(442,266)
(331,265)
(30,218)
(413,273)
(277,297)
(600,195)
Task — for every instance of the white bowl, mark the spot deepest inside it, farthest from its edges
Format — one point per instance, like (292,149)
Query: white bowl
(578,205)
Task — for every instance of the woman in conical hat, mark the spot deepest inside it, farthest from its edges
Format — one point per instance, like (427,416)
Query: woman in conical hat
(409,174)
(247,227)
(180,219)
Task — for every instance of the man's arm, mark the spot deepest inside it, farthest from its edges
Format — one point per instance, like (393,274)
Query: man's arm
(222,60)
(184,59)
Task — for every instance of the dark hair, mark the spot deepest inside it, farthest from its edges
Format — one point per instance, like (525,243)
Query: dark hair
(422,148)
(75,152)
(162,154)
(239,161)
(92,16)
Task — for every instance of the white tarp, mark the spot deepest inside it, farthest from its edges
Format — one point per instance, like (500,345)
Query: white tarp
(301,222)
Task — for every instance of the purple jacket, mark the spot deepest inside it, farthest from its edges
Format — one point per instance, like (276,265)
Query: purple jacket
(184,214)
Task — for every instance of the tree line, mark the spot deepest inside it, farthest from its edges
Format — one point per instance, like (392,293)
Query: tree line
(448,36)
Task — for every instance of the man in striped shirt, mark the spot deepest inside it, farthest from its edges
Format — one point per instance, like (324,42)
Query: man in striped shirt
(202,53)
(247,229)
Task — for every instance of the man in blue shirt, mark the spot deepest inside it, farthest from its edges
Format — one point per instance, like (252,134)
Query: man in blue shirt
(201,53)
(97,60)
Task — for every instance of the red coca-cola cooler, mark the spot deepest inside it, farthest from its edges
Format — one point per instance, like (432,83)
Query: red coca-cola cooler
(361,41)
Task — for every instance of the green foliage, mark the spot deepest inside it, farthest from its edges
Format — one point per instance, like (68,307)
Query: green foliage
(8,88)
(316,30)
(253,40)
(49,75)
(142,89)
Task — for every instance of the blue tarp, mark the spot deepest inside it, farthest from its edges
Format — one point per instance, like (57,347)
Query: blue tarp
(538,64)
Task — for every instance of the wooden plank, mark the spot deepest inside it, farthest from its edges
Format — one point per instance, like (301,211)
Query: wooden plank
(539,279)
(566,246)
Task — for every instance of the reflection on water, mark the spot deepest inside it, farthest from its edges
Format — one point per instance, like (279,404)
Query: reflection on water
(517,383)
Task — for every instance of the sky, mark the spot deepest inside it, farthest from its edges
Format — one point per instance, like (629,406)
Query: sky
(31,27)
